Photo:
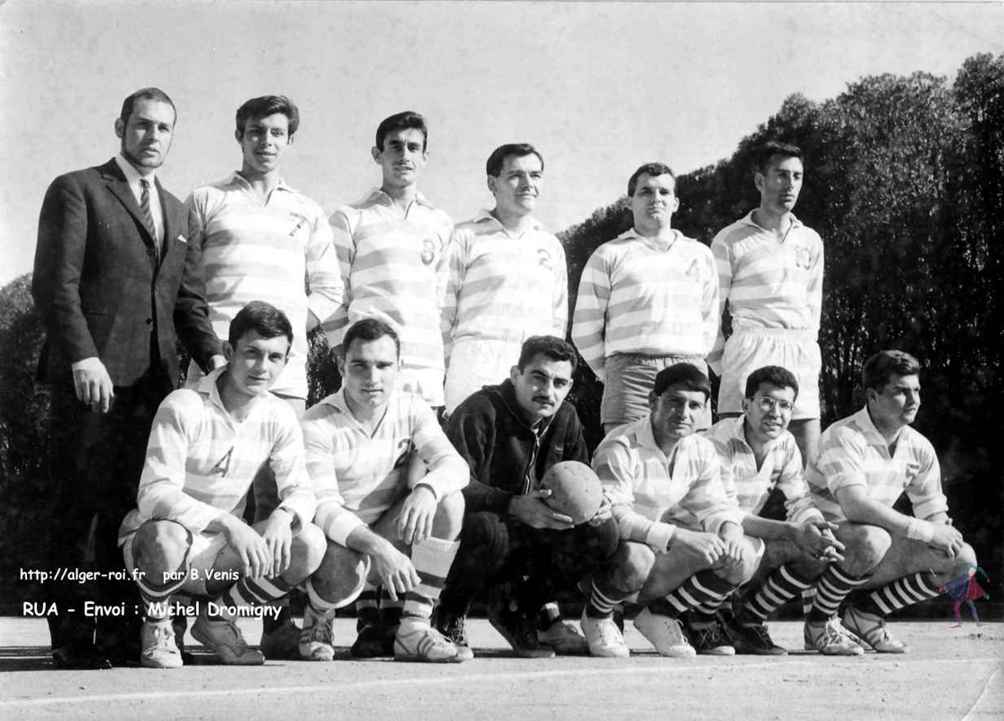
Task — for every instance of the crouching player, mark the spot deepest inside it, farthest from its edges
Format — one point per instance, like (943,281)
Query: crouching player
(866,462)
(759,454)
(515,546)
(384,526)
(685,552)
(186,535)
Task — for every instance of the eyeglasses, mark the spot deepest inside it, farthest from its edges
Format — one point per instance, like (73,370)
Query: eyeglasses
(769,404)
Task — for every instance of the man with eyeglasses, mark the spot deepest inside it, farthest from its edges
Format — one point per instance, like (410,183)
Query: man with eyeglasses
(758,456)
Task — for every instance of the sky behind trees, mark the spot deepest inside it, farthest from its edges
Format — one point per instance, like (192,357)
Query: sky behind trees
(598,87)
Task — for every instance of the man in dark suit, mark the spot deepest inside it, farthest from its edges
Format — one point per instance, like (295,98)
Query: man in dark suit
(114,280)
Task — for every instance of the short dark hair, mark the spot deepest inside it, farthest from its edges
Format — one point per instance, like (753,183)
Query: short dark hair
(685,374)
(370,329)
(548,345)
(650,169)
(150,93)
(263,318)
(763,155)
(497,159)
(268,105)
(402,121)
(774,375)
(881,367)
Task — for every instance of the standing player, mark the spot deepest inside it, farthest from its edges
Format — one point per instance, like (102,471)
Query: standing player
(383,525)
(685,548)
(187,534)
(758,455)
(866,461)
(392,252)
(510,435)
(647,299)
(508,279)
(114,279)
(770,273)
(260,239)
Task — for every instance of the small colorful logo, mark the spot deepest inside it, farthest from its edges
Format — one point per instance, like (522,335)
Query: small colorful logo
(965,590)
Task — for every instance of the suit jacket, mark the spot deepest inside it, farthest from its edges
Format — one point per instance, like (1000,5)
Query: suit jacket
(100,288)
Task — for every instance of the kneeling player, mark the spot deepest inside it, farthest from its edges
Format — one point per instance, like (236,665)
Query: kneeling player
(758,454)
(866,462)
(186,535)
(383,526)
(686,552)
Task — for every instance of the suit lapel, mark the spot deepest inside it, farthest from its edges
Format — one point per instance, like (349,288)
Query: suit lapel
(120,189)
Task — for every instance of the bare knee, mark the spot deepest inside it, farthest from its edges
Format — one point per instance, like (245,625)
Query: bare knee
(449,519)
(630,567)
(742,571)
(160,547)
(308,550)
(341,574)
(962,565)
(864,547)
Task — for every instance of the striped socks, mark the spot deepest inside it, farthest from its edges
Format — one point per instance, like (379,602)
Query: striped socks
(432,559)
(782,585)
(831,590)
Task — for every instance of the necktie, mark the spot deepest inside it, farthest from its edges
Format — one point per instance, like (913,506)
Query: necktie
(144,206)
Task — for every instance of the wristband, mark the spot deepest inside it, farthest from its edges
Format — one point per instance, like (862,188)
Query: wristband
(919,530)
(659,535)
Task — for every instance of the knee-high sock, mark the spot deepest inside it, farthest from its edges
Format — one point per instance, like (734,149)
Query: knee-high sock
(703,592)
(432,559)
(250,592)
(903,592)
(156,597)
(831,589)
(780,587)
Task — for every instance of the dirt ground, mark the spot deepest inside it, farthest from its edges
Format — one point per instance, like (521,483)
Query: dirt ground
(949,674)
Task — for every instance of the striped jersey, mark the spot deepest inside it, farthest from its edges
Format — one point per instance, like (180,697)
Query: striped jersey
(394,266)
(358,474)
(504,286)
(767,282)
(200,461)
(264,251)
(751,486)
(652,493)
(643,295)
(853,453)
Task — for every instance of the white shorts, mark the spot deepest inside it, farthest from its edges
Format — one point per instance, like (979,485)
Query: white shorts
(747,350)
(630,377)
(475,363)
(426,382)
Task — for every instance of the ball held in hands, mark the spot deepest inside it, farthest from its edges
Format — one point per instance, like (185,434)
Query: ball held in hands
(575,489)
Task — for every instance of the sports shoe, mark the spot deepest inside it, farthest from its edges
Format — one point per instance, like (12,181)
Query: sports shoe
(222,637)
(416,640)
(870,628)
(518,630)
(564,638)
(709,638)
(315,640)
(158,647)
(453,628)
(283,641)
(603,637)
(375,640)
(664,633)
(830,638)
(753,639)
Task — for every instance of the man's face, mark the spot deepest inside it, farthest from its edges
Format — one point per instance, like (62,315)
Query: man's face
(768,412)
(541,386)
(402,157)
(147,133)
(369,371)
(780,185)
(263,142)
(518,184)
(654,201)
(256,362)
(675,411)
(897,403)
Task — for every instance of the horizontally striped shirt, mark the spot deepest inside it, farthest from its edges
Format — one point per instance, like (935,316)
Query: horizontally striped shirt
(769,282)
(394,266)
(200,461)
(254,250)
(642,295)
(751,486)
(651,493)
(852,452)
(503,286)
(358,474)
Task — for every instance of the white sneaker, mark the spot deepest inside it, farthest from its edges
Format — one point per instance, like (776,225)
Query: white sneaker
(830,638)
(665,634)
(222,637)
(419,641)
(603,637)
(158,647)
(564,638)
(316,637)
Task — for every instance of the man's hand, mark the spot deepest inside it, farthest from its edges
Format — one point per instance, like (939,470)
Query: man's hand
(93,385)
(732,538)
(278,537)
(395,570)
(946,538)
(250,547)
(414,524)
(706,546)
(532,511)
(815,538)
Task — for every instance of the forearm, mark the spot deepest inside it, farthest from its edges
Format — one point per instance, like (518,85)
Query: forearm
(767,529)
